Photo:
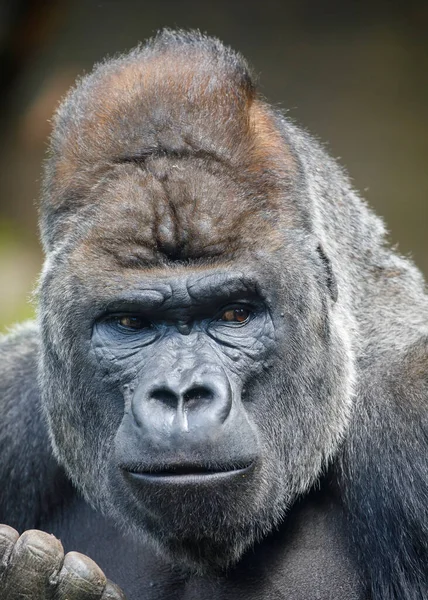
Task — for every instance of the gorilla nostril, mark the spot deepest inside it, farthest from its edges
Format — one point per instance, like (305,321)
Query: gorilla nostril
(165,396)
(197,394)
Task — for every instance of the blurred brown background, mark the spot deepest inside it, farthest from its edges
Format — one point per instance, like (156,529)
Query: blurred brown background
(353,73)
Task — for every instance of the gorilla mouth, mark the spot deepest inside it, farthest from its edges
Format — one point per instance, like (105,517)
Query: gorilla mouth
(190,472)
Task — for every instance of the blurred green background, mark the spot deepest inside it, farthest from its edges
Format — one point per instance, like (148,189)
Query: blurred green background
(353,73)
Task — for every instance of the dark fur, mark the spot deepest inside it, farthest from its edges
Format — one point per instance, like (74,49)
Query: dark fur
(166,160)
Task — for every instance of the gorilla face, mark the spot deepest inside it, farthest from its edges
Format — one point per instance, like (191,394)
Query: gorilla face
(192,397)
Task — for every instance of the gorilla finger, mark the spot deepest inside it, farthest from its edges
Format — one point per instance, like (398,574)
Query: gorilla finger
(80,579)
(8,539)
(33,567)
(112,592)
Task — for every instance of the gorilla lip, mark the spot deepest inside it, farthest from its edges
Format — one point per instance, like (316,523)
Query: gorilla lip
(188,473)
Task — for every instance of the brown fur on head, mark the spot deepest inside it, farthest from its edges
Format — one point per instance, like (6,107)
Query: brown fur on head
(181,102)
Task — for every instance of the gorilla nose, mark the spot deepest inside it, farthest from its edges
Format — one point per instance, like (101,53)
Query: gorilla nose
(191,397)
(185,402)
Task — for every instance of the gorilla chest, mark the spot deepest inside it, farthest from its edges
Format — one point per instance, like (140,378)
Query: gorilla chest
(308,559)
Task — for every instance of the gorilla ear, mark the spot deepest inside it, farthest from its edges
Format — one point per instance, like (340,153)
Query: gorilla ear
(331,279)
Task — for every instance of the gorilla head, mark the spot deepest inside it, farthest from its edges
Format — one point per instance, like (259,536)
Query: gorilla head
(197,372)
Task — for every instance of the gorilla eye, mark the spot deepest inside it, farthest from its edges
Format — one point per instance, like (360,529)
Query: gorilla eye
(236,315)
(131,322)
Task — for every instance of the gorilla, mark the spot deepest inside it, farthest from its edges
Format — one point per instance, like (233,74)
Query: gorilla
(225,393)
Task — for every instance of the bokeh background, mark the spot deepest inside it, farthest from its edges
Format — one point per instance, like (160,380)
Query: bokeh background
(353,73)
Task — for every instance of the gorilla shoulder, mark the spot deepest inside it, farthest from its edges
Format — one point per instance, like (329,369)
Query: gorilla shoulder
(28,470)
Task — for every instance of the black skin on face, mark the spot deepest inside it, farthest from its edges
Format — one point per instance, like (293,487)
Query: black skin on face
(200,338)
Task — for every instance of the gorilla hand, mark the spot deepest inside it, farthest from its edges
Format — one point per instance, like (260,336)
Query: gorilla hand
(33,566)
